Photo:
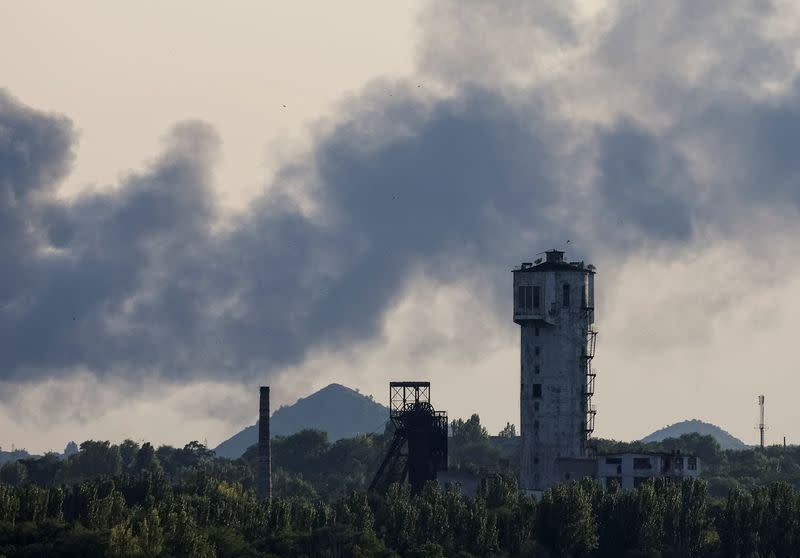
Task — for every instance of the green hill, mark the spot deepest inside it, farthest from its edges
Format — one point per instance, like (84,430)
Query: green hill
(336,409)
(723,438)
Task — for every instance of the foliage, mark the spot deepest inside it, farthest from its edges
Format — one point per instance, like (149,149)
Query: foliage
(137,501)
(470,447)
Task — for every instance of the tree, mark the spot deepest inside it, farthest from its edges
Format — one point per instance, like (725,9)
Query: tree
(14,473)
(508,431)
(94,459)
(470,430)
(151,537)
(43,470)
(122,543)
(470,445)
(127,452)
(565,522)
(146,459)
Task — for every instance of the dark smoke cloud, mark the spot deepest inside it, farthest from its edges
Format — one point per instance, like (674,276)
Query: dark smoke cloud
(136,281)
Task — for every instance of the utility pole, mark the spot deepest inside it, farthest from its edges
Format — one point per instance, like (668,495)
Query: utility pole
(761,426)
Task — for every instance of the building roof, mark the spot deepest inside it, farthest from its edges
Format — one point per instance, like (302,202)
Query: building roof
(554,261)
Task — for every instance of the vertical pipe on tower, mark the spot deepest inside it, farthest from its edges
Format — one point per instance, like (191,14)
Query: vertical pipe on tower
(264,470)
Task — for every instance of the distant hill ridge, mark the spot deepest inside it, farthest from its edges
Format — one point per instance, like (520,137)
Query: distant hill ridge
(723,438)
(336,409)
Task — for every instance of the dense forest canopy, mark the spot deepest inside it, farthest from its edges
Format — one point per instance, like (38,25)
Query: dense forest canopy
(137,500)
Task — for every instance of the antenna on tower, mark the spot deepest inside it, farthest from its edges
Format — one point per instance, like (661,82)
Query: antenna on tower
(761,425)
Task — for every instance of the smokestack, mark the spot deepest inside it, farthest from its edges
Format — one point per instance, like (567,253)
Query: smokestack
(264,470)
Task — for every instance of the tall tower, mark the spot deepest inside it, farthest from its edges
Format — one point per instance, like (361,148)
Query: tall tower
(264,466)
(554,305)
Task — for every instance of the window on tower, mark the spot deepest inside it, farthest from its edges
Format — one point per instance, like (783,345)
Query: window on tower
(537,297)
(537,391)
(524,298)
(565,295)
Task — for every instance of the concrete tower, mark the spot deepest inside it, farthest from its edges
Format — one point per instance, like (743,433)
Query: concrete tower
(554,305)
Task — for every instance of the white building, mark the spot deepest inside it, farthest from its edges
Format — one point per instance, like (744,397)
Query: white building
(631,469)
(554,306)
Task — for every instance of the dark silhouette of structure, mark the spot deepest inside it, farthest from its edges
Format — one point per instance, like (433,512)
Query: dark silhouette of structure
(264,471)
(419,447)
(761,424)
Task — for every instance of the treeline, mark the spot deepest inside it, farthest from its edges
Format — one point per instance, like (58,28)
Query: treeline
(142,515)
(305,464)
(103,459)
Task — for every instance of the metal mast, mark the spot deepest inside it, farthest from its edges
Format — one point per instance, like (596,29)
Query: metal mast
(761,425)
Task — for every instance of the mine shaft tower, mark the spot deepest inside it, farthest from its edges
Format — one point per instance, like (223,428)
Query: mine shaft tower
(554,307)
(419,447)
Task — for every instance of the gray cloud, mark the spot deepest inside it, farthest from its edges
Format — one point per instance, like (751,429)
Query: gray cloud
(135,280)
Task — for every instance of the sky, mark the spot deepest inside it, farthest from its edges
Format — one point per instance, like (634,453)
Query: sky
(198,199)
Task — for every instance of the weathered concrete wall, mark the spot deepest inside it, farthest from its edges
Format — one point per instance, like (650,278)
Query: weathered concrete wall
(621,468)
(552,344)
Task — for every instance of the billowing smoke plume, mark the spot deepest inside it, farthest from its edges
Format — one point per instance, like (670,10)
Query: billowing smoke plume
(599,146)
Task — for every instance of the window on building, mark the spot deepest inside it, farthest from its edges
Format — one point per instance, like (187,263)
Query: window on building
(536,406)
(536,425)
(536,331)
(537,351)
(524,298)
(565,295)
(613,461)
(535,459)
(537,389)
(536,369)
(692,465)
(642,463)
(679,463)
(639,480)
(537,297)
